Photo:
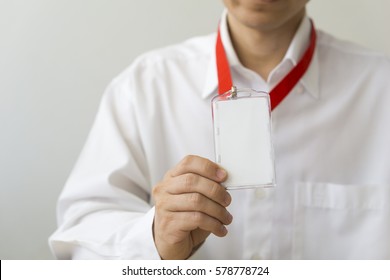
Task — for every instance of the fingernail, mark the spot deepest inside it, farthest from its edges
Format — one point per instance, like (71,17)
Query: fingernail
(224,229)
(230,218)
(228,199)
(221,174)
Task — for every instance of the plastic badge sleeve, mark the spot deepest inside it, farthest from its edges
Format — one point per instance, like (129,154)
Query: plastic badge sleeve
(242,138)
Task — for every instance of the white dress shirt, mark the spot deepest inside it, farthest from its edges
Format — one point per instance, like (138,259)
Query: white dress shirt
(332,151)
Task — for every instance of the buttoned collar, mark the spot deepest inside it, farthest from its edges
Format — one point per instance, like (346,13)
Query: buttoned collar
(310,79)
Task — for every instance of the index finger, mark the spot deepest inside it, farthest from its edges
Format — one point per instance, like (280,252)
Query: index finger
(201,166)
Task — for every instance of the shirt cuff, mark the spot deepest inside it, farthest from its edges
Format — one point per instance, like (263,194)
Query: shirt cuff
(141,240)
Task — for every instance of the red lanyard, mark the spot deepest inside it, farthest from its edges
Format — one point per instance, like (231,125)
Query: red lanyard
(282,89)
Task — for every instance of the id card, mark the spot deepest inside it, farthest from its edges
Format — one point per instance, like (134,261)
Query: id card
(242,138)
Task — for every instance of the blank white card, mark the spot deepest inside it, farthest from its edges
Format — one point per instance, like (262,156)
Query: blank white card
(242,135)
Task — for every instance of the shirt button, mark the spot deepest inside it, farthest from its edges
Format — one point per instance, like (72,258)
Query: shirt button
(256,257)
(260,193)
(300,89)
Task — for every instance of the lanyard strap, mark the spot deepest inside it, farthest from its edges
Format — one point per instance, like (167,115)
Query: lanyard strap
(282,89)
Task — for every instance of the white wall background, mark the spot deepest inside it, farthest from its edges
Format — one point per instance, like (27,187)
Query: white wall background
(56,58)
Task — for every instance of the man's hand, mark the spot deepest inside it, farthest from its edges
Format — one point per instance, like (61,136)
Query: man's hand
(190,204)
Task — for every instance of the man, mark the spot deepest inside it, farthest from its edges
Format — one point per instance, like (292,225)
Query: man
(145,186)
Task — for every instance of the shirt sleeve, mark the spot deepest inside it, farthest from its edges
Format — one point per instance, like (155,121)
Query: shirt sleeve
(105,210)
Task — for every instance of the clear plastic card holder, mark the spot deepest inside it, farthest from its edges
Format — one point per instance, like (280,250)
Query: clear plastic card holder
(242,138)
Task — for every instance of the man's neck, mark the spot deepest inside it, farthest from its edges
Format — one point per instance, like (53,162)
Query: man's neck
(262,50)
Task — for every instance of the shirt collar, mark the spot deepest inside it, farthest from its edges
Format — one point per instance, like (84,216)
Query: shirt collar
(297,48)
(310,79)
(211,84)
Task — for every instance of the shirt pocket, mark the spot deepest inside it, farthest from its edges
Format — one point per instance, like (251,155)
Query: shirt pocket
(333,221)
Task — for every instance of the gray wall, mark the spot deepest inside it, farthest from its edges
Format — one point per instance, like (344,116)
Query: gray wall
(56,58)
